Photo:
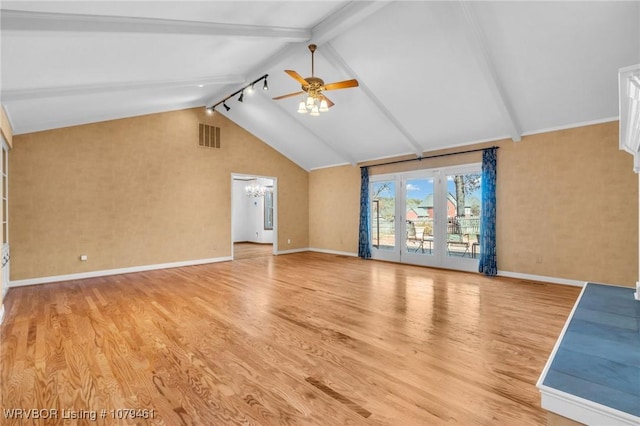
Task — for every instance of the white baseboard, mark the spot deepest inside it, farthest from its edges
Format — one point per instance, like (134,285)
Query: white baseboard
(337,253)
(300,250)
(542,278)
(107,272)
(103,273)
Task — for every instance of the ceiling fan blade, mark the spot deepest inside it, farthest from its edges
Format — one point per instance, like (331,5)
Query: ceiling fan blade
(297,77)
(277,98)
(341,85)
(329,103)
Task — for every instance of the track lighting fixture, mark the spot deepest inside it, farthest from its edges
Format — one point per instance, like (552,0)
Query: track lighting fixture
(249,88)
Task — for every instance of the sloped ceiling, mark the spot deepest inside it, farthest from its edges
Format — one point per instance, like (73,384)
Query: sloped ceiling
(432,74)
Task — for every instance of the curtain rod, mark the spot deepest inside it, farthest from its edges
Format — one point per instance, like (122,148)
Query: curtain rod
(429,156)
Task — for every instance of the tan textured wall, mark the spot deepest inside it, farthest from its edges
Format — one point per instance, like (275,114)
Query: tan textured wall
(567,204)
(138,191)
(334,208)
(5,127)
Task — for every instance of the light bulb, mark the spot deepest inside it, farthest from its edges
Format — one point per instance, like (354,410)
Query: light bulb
(314,111)
(323,106)
(310,102)
(302,108)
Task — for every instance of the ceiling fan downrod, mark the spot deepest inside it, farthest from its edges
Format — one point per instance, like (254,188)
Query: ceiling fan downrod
(312,48)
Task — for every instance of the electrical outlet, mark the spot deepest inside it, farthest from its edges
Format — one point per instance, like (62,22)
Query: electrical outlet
(289,241)
(83,257)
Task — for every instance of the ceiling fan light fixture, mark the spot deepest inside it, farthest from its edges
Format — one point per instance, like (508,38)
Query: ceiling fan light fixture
(310,102)
(323,106)
(302,108)
(313,88)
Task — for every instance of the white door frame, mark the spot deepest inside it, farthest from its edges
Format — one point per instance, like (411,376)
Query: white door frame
(275,206)
(438,256)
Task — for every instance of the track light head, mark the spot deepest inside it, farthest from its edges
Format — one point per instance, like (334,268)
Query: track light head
(249,88)
(210,109)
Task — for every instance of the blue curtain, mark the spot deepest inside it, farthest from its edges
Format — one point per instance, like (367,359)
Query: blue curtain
(364,248)
(488,262)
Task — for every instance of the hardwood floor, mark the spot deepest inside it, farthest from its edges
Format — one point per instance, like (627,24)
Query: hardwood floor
(307,339)
(250,250)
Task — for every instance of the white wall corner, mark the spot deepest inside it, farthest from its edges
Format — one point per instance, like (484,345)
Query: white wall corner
(629,104)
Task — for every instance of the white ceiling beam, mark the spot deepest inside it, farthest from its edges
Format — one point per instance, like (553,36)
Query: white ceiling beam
(48,92)
(476,37)
(14,20)
(335,24)
(344,19)
(337,60)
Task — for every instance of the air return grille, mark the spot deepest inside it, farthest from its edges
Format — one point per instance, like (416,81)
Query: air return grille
(209,136)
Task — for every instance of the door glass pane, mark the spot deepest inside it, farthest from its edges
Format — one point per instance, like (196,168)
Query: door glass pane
(419,216)
(268,210)
(463,215)
(383,215)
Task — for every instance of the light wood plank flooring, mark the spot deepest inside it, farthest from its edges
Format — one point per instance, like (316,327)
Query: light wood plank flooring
(250,250)
(301,339)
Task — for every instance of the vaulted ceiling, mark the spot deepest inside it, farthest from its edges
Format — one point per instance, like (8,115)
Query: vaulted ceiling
(432,74)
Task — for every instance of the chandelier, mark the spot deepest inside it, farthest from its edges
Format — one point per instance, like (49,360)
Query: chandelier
(255,190)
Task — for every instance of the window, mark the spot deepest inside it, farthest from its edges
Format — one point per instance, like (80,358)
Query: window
(268,209)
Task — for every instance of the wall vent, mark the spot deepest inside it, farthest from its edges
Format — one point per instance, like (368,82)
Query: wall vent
(209,136)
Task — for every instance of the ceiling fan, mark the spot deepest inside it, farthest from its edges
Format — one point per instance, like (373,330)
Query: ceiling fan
(316,101)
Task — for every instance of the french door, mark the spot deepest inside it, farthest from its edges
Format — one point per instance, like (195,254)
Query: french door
(427,217)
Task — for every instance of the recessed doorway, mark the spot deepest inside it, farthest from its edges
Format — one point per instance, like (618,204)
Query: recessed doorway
(253,216)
